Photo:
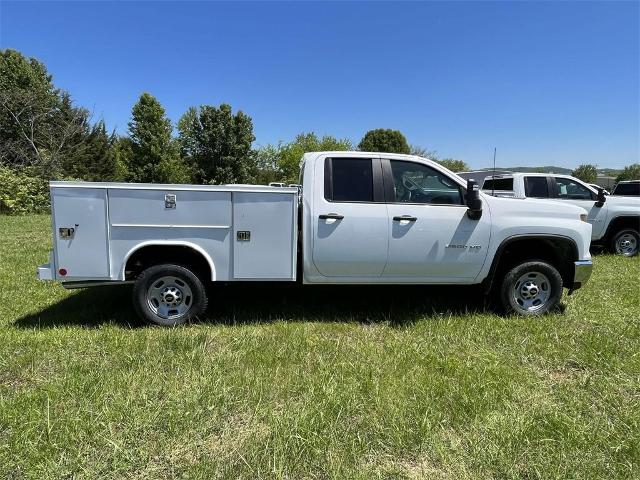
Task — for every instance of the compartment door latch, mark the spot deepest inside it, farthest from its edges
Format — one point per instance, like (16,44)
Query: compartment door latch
(169,200)
(243,236)
(67,233)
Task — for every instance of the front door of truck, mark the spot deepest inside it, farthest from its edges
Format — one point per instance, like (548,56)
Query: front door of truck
(570,190)
(350,219)
(430,235)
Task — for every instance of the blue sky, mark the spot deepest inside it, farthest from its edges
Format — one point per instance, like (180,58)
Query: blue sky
(546,83)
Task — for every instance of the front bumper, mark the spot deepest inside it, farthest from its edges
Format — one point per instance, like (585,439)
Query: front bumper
(582,272)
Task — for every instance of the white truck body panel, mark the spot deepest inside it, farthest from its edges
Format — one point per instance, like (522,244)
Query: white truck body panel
(87,253)
(600,217)
(111,221)
(443,246)
(251,232)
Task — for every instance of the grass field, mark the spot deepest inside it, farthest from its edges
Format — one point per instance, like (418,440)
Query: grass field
(290,382)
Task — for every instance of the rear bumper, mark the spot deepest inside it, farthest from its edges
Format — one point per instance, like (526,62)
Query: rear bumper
(582,272)
(45,272)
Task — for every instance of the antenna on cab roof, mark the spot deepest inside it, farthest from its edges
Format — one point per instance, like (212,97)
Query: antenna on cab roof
(493,184)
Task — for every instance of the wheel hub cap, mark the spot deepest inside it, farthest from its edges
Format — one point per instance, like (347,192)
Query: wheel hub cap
(627,244)
(532,291)
(169,297)
(529,290)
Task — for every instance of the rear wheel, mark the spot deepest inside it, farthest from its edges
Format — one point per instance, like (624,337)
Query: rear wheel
(626,242)
(169,295)
(531,288)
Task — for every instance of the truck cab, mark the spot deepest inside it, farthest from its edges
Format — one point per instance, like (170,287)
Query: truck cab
(375,218)
(615,219)
(355,218)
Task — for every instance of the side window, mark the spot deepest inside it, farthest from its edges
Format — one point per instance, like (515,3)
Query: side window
(627,189)
(418,183)
(569,189)
(536,187)
(348,180)
(504,184)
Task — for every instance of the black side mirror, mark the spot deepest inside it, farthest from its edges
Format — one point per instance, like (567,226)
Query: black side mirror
(474,204)
(601,197)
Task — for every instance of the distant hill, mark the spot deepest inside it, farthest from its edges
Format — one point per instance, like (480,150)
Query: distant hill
(543,169)
(610,172)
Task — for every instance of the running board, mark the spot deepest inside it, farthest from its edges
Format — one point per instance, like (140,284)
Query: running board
(94,283)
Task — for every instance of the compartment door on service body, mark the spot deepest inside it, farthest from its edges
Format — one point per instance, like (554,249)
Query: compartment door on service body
(80,232)
(349,218)
(431,238)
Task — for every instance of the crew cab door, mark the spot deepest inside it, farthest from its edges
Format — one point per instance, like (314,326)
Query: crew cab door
(570,190)
(430,235)
(350,225)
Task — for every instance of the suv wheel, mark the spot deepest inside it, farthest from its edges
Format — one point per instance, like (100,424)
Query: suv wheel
(626,242)
(531,288)
(169,295)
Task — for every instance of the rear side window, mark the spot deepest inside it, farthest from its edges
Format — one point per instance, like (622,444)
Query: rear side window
(348,180)
(498,184)
(536,187)
(627,189)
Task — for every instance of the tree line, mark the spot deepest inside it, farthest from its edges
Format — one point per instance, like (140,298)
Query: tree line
(589,173)
(44,135)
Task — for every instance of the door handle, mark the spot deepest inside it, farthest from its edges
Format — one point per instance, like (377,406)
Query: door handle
(330,216)
(408,218)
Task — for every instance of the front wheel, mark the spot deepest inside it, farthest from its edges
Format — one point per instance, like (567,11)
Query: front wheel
(531,288)
(169,295)
(626,242)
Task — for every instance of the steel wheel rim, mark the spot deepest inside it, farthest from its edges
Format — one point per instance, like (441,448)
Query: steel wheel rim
(627,244)
(532,291)
(169,297)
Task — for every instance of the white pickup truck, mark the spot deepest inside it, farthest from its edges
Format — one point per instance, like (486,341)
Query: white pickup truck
(615,219)
(356,218)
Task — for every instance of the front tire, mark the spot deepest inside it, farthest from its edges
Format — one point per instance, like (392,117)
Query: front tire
(169,295)
(626,242)
(530,289)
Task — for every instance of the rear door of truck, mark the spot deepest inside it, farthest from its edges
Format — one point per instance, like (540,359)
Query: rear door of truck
(350,228)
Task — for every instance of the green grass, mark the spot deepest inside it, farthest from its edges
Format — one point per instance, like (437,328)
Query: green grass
(284,382)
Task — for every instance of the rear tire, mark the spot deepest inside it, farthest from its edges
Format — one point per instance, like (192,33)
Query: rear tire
(530,289)
(625,242)
(169,295)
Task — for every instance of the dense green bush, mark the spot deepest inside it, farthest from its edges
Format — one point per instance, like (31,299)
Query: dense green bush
(21,193)
(384,140)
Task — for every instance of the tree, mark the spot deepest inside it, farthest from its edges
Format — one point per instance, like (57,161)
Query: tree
(27,95)
(39,125)
(586,172)
(266,161)
(42,131)
(453,164)
(423,152)
(291,153)
(218,143)
(384,140)
(122,152)
(154,153)
(630,172)
(188,125)
(96,161)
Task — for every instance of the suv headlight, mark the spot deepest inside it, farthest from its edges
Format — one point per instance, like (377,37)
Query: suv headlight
(583,217)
